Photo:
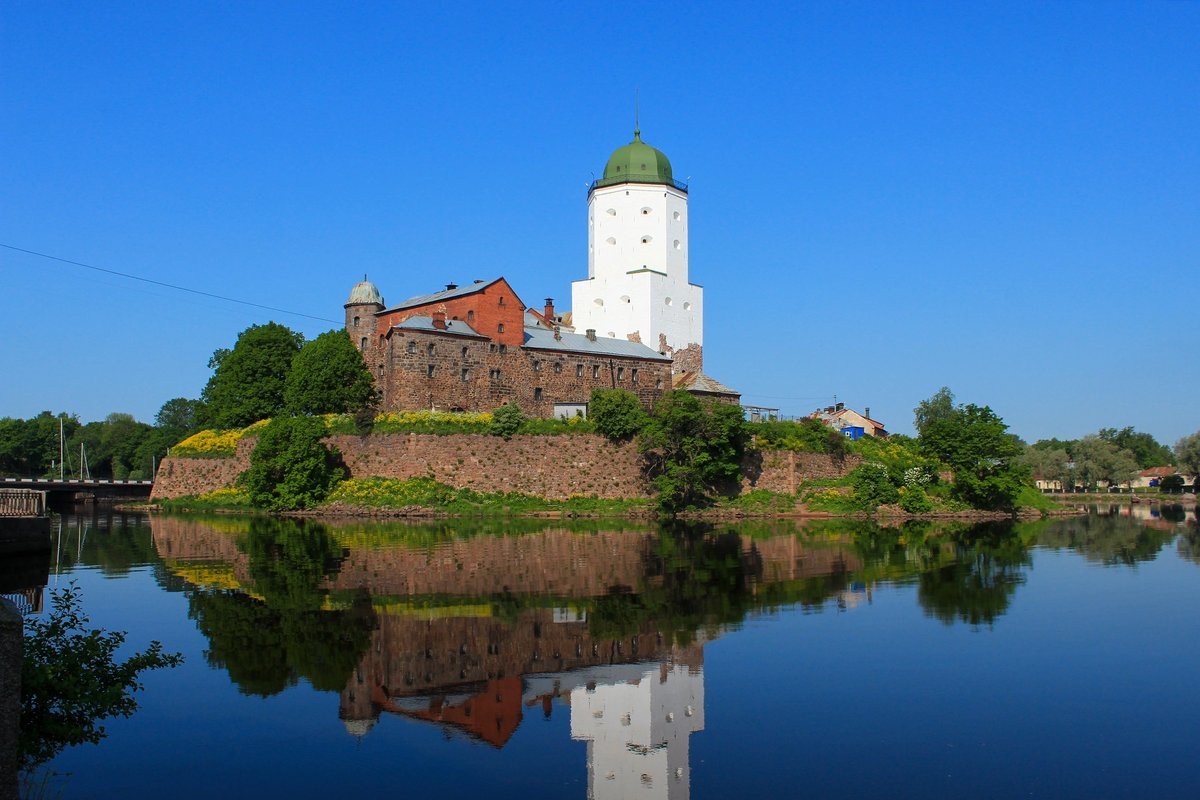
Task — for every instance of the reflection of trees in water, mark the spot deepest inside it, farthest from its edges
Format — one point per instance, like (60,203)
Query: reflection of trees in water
(268,644)
(1188,543)
(695,578)
(977,586)
(1109,538)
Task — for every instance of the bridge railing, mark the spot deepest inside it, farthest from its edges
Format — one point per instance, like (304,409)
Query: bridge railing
(22,503)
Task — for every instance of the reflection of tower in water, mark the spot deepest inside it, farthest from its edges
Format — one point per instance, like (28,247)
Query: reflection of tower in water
(637,729)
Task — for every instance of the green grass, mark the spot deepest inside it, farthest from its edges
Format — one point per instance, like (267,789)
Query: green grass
(217,500)
(760,501)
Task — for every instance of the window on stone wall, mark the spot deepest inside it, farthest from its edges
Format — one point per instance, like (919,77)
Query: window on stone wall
(579,370)
(356,322)
(429,349)
(503,349)
(633,376)
(494,374)
(362,344)
(537,366)
(492,348)
(501,299)
(466,375)
(470,316)
(429,371)
(381,370)
(537,393)
(557,367)
(500,328)
(658,383)
(595,371)
(412,347)
(620,373)
(464,352)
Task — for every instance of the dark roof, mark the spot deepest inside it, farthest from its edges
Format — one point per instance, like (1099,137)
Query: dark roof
(699,382)
(446,294)
(539,338)
(455,327)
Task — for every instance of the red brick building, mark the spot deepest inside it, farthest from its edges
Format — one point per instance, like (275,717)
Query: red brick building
(477,347)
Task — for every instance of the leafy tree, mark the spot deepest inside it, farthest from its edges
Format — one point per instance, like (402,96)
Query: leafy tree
(692,448)
(936,408)
(1047,464)
(70,680)
(1172,483)
(974,442)
(291,467)
(248,382)
(1187,452)
(180,416)
(507,420)
(329,376)
(617,413)
(1097,459)
(1144,447)
(872,486)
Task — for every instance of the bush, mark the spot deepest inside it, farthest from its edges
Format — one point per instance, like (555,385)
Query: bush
(329,376)
(872,486)
(291,467)
(914,500)
(616,413)
(506,420)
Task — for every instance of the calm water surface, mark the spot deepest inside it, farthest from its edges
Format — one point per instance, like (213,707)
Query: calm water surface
(532,659)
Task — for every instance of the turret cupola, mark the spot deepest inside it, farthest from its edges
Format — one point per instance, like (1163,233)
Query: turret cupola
(365,293)
(638,162)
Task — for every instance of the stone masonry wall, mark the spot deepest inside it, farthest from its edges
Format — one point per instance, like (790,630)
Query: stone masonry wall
(554,467)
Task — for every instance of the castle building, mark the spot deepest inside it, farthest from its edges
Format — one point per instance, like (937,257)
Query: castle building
(636,322)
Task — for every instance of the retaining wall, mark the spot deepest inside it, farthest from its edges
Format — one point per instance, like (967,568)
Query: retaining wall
(554,467)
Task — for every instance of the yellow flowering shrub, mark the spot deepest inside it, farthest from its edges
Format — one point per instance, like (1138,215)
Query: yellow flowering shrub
(215,443)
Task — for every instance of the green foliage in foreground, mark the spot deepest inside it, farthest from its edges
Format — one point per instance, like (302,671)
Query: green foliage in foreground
(802,436)
(291,467)
(70,680)
(328,376)
(431,494)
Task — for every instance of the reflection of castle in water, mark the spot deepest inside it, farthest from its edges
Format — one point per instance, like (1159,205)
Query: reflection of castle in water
(473,634)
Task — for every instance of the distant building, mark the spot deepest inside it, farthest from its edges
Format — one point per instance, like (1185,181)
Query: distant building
(849,422)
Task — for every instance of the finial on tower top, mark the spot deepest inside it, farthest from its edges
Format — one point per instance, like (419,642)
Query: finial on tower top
(637,128)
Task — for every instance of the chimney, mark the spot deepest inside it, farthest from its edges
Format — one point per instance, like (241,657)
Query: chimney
(591,334)
(451,287)
(439,320)
(839,406)
(549,312)
(557,334)
(867,412)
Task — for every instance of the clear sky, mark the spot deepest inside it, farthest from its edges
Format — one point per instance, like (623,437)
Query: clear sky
(885,197)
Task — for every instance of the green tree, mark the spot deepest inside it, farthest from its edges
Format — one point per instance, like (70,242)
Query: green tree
(1144,447)
(974,442)
(1047,464)
(291,467)
(936,408)
(248,381)
(1098,459)
(507,420)
(180,416)
(617,413)
(1187,453)
(329,376)
(692,449)
(70,680)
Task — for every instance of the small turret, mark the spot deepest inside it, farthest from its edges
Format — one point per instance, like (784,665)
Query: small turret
(364,303)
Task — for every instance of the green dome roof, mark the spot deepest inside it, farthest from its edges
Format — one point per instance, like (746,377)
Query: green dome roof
(364,293)
(638,162)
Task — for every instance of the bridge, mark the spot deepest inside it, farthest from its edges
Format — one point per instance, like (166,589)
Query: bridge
(88,489)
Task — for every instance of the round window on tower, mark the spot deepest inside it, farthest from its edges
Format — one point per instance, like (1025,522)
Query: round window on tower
(647,239)
(599,301)
(687,306)
(624,298)
(611,240)
(666,301)
(646,211)
(676,244)
(675,216)
(612,212)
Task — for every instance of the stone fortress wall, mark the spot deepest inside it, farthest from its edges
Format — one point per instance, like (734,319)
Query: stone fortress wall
(553,467)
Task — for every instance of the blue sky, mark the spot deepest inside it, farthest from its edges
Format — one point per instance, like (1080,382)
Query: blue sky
(885,198)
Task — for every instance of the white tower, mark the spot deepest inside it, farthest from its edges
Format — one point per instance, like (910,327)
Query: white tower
(637,286)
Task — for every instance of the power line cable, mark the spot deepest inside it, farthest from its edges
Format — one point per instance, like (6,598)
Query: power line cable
(167,285)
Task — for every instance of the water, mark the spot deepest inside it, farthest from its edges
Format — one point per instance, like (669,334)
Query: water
(530,659)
